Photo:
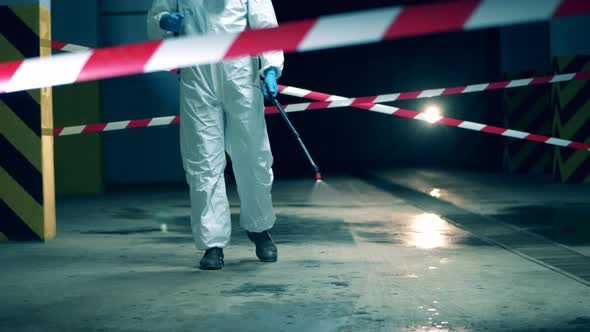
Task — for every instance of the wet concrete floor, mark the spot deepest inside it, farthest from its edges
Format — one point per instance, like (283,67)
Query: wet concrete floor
(354,256)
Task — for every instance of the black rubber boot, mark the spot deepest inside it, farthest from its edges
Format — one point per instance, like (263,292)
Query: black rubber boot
(212,259)
(266,250)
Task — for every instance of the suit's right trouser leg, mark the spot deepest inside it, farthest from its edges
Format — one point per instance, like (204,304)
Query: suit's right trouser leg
(202,146)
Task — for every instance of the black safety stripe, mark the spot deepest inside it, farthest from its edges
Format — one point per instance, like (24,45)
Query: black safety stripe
(21,170)
(535,157)
(26,108)
(13,226)
(581,172)
(576,65)
(18,33)
(538,122)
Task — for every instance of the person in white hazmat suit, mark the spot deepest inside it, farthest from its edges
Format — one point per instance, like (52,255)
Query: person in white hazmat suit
(222,109)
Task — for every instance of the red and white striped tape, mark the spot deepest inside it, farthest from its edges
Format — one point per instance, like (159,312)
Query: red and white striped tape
(131,124)
(118,125)
(68,47)
(302,93)
(333,101)
(338,101)
(300,36)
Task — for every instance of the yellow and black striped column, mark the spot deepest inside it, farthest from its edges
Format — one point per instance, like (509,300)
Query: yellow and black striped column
(27,194)
(571,102)
(529,109)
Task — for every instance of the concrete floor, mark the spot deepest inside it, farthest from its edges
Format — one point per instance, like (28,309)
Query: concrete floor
(354,256)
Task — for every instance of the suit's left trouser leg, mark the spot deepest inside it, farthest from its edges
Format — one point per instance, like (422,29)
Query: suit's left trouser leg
(248,145)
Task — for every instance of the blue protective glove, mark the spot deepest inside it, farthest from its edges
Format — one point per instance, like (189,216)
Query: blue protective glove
(270,87)
(172,22)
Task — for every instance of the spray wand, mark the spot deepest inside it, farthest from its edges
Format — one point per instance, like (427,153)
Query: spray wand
(316,169)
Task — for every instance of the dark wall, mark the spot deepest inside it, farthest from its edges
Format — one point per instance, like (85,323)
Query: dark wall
(339,139)
(143,155)
(569,36)
(343,139)
(78,159)
(526,48)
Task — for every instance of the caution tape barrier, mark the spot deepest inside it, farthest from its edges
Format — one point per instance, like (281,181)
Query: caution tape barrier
(326,32)
(302,93)
(337,101)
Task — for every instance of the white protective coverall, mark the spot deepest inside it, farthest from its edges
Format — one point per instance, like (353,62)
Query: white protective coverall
(222,109)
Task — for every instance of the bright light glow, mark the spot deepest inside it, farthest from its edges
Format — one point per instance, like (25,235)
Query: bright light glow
(433,113)
(435,193)
(429,231)
(164,228)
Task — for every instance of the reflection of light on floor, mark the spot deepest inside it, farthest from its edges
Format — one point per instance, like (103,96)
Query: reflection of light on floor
(435,193)
(433,329)
(434,322)
(429,231)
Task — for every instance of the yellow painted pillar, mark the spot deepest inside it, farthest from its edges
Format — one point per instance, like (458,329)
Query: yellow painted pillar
(27,189)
